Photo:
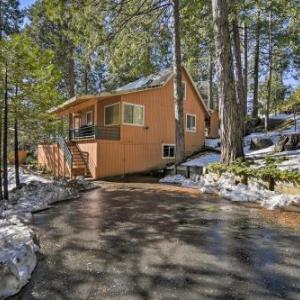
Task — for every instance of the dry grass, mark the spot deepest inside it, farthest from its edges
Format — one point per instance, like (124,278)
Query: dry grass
(280,217)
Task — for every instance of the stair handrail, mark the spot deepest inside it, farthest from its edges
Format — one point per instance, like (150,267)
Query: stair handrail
(65,149)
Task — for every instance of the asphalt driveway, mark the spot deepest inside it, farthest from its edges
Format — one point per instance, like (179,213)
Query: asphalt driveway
(144,241)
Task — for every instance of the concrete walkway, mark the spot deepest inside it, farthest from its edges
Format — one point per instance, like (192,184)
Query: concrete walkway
(147,241)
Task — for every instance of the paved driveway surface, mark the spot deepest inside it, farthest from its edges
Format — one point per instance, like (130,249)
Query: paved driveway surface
(125,241)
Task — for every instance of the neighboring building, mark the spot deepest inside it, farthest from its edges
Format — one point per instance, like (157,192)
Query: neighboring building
(131,129)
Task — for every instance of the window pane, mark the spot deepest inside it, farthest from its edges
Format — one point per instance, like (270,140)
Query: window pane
(166,151)
(172,151)
(116,114)
(138,115)
(133,114)
(188,122)
(128,113)
(112,115)
(193,122)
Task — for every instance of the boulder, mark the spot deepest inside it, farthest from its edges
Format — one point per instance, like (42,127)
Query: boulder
(260,143)
(288,143)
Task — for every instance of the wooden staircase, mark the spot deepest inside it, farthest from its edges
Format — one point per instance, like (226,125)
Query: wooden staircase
(79,164)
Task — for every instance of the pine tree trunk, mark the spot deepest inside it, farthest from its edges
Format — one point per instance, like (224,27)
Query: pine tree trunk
(71,77)
(1,183)
(5,129)
(86,82)
(246,69)
(256,68)
(238,65)
(178,93)
(230,122)
(16,146)
(267,114)
(1,189)
(210,82)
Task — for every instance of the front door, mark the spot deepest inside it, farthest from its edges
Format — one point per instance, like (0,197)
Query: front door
(77,124)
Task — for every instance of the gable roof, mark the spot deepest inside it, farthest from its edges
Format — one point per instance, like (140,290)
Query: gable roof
(144,83)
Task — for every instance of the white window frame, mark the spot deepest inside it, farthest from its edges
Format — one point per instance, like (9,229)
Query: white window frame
(123,114)
(86,114)
(109,105)
(162,151)
(183,82)
(186,123)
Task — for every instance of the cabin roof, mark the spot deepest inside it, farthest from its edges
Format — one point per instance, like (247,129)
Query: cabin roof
(151,81)
(156,80)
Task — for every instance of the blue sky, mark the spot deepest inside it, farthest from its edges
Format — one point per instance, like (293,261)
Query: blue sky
(26,3)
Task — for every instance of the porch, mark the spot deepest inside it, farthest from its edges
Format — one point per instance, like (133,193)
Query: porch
(92,132)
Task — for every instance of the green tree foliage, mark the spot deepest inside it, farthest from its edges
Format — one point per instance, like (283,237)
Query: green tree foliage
(32,73)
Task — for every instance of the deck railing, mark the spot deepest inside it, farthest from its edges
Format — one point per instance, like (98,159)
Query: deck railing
(95,132)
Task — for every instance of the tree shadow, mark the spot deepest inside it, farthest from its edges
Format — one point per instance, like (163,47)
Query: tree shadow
(131,243)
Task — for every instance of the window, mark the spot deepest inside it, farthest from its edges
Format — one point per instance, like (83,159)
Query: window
(168,151)
(112,114)
(183,89)
(190,122)
(133,114)
(89,118)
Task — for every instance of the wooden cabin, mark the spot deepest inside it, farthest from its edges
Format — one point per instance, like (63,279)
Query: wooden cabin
(131,129)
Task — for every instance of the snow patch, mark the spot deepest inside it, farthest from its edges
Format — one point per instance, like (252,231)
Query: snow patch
(177,179)
(227,188)
(17,255)
(25,177)
(203,160)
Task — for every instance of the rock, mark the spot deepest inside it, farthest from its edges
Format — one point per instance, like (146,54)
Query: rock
(288,143)
(260,143)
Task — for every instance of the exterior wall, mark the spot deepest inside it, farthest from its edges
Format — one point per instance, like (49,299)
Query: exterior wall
(140,147)
(51,157)
(91,148)
(22,157)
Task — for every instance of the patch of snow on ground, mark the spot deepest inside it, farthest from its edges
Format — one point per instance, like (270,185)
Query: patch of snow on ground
(281,116)
(17,255)
(203,160)
(25,177)
(227,188)
(213,143)
(177,179)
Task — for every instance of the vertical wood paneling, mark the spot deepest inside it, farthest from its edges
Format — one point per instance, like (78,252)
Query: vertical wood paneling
(140,147)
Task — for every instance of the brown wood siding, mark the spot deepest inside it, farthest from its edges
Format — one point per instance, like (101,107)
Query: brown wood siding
(140,147)
(51,157)
(91,148)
